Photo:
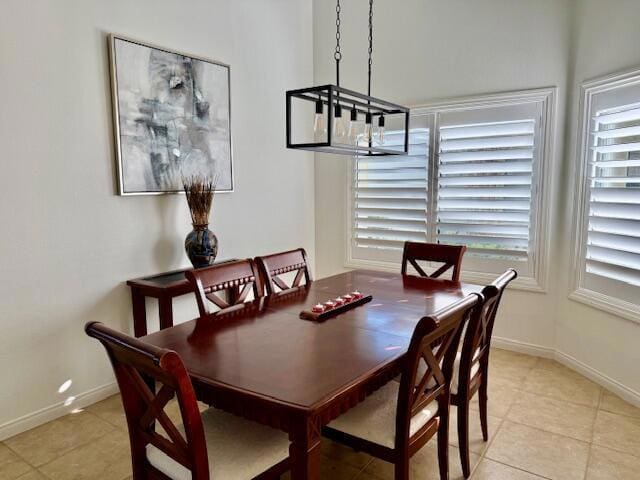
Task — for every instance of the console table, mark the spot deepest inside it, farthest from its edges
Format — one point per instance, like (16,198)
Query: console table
(164,287)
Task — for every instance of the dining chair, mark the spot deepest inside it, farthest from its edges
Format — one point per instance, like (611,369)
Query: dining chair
(273,266)
(471,366)
(449,255)
(394,422)
(236,279)
(208,445)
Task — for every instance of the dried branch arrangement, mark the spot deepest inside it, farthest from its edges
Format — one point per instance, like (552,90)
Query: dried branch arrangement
(200,190)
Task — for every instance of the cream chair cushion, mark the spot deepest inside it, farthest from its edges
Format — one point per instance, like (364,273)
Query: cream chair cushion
(237,448)
(375,418)
(456,370)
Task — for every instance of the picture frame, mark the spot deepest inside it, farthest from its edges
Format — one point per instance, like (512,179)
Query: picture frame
(172,118)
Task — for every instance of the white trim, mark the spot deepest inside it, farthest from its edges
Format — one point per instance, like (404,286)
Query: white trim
(612,305)
(537,282)
(577,291)
(624,392)
(522,347)
(57,410)
(489,100)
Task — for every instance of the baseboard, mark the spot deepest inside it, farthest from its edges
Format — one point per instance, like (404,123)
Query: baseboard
(47,414)
(522,347)
(94,395)
(592,374)
(624,392)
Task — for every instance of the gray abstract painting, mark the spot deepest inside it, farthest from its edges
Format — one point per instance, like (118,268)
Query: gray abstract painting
(172,114)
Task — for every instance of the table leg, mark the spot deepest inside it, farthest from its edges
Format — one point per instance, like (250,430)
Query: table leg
(305,451)
(165,307)
(139,313)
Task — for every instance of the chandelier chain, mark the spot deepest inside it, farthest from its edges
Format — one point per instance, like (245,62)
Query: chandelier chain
(370,45)
(338,54)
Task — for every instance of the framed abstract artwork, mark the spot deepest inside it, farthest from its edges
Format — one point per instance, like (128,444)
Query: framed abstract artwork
(172,116)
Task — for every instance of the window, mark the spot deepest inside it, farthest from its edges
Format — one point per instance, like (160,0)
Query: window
(608,253)
(473,177)
(390,197)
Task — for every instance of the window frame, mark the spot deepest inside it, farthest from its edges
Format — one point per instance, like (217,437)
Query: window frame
(537,280)
(578,291)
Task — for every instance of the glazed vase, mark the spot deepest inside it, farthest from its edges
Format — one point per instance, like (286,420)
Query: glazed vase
(201,246)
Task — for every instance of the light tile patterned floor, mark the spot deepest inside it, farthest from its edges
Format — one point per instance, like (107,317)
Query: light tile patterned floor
(545,421)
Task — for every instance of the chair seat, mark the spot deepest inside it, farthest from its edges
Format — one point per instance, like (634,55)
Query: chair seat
(456,369)
(237,448)
(375,418)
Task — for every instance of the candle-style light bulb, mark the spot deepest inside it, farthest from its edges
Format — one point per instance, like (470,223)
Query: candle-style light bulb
(368,131)
(381,129)
(353,126)
(318,121)
(338,124)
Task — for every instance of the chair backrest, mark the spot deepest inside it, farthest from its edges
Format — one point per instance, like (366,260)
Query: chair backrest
(236,278)
(435,342)
(477,338)
(277,264)
(134,363)
(449,255)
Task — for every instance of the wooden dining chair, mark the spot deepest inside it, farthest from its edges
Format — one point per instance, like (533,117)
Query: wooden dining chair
(208,445)
(273,266)
(236,279)
(449,255)
(394,422)
(471,366)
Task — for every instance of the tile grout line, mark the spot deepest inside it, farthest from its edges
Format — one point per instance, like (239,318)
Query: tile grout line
(519,469)
(602,392)
(539,429)
(593,432)
(506,418)
(361,471)
(547,431)
(548,397)
(83,444)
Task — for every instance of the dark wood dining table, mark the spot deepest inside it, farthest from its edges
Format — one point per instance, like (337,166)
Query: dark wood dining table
(264,363)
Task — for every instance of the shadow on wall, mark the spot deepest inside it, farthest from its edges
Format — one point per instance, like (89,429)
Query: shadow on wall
(168,246)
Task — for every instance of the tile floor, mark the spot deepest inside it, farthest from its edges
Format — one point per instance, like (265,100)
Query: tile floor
(546,421)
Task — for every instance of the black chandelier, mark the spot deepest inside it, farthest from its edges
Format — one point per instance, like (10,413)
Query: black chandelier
(316,116)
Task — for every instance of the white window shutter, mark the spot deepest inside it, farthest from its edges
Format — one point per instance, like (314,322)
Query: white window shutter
(390,199)
(484,198)
(613,231)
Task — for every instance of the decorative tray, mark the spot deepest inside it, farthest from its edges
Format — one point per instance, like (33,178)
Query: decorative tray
(323,311)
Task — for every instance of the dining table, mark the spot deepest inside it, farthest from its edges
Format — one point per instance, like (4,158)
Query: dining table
(263,362)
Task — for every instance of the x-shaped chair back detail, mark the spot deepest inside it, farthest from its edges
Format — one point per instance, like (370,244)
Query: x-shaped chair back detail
(277,264)
(237,279)
(435,342)
(449,255)
(135,363)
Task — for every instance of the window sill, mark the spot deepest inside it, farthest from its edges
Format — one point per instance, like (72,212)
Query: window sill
(527,284)
(614,306)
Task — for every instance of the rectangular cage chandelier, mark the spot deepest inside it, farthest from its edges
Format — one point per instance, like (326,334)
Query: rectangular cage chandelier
(333,119)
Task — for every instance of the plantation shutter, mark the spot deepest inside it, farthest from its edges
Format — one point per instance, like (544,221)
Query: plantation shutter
(487,161)
(612,260)
(390,197)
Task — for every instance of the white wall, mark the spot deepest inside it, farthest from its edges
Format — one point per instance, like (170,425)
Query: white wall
(439,49)
(67,242)
(605,40)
